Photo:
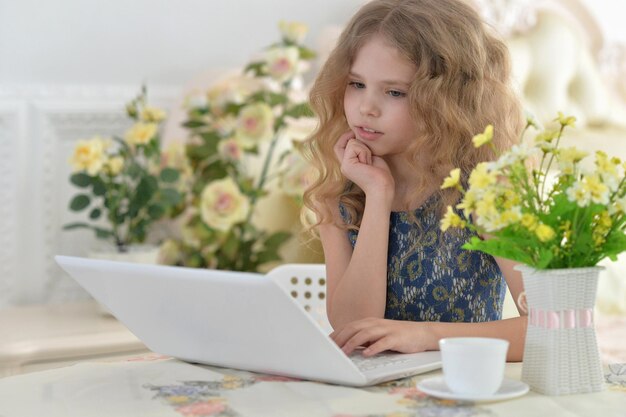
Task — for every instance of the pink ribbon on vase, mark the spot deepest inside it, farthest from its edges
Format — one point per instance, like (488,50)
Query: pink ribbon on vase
(565,319)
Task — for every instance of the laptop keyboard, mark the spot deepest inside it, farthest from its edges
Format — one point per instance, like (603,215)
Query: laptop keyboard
(382,360)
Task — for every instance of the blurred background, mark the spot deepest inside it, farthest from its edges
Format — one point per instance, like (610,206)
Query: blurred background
(67,68)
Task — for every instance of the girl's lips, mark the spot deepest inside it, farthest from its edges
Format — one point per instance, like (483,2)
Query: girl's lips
(369,134)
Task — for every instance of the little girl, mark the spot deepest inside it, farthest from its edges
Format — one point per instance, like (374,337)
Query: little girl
(399,99)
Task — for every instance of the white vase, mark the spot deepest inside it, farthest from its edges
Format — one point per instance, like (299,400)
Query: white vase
(561,353)
(138,253)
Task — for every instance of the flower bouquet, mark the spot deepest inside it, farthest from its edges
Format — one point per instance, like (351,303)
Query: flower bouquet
(122,181)
(241,133)
(559,219)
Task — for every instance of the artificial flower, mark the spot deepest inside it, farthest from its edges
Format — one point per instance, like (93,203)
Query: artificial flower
(223,204)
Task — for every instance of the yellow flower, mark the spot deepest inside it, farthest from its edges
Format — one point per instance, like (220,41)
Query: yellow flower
(546,136)
(566,120)
(141,133)
(254,124)
(89,155)
(481,177)
(529,221)
(510,199)
(223,204)
(598,191)
(152,114)
(297,177)
(468,204)
(509,217)
(568,157)
(544,232)
(483,138)
(293,31)
(453,180)
(451,219)
(282,62)
(114,165)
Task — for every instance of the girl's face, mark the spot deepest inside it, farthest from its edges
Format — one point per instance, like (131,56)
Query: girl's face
(375,101)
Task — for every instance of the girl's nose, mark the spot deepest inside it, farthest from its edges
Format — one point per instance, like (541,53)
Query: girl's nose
(369,106)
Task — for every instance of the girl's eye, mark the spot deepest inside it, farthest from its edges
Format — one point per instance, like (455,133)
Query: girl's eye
(396,93)
(356,84)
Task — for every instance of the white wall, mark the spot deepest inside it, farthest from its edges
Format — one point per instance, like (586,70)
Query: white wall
(157,41)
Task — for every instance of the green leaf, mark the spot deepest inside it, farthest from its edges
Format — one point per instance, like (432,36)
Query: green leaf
(81,180)
(171,197)
(257,68)
(194,124)
(103,233)
(169,175)
(156,211)
(99,189)
(95,214)
(306,53)
(275,240)
(300,110)
(76,225)
(80,202)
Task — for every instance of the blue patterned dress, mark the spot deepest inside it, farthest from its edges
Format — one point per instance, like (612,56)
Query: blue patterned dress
(431,278)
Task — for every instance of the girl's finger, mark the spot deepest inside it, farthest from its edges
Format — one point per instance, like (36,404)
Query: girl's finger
(342,142)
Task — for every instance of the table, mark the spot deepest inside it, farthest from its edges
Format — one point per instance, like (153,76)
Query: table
(39,337)
(154,385)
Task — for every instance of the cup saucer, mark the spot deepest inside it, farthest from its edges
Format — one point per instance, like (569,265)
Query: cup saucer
(437,387)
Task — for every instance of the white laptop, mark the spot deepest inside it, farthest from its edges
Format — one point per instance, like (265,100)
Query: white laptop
(232,319)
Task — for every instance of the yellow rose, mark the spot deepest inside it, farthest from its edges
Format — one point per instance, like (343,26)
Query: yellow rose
(298,176)
(89,155)
(152,114)
(141,133)
(544,232)
(254,124)
(452,181)
(230,149)
(223,204)
(282,63)
(293,31)
(114,165)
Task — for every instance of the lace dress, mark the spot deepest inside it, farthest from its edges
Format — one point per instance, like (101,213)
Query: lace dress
(431,278)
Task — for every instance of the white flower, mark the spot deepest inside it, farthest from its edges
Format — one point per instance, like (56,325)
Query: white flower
(282,62)
(254,124)
(223,205)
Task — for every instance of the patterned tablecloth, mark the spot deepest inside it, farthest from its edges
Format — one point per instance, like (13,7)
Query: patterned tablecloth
(154,385)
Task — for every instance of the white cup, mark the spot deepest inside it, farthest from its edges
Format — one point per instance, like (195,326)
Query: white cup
(473,365)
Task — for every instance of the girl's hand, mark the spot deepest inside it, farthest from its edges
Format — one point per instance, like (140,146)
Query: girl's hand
(360,166)
(381,334)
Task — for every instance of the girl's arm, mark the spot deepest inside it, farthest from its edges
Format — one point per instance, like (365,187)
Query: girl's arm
(357,279)
(406,336)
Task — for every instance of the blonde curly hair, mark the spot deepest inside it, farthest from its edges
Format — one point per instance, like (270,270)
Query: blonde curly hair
(461,84)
